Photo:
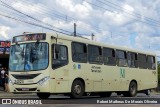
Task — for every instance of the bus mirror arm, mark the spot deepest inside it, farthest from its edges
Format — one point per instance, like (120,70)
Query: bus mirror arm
(52,37)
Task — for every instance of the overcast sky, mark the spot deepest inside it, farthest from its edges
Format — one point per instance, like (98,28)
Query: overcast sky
(128,23)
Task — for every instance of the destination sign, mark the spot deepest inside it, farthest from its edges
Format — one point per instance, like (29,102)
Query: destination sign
(29,37)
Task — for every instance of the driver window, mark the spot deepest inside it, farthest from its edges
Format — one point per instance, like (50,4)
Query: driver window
(59,56)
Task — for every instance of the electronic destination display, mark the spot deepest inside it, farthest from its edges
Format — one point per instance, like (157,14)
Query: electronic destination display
(29,37)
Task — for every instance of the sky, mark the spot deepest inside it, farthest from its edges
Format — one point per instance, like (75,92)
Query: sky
(127,23)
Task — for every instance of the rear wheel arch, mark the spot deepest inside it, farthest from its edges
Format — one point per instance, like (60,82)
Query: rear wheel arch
(135,82)
(80,79)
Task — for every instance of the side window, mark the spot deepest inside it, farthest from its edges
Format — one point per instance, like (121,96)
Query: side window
(132,59)
(109,56)
(121,58)
(79,52)
(151,62)
(94,54)
(59,56)
(142,61)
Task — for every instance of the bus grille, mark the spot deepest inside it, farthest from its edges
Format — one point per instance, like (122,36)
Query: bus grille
(26,89)
(27,76)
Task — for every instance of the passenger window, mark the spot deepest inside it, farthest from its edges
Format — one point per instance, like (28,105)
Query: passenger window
(151,62)
(142,61)
(109,56)
(79,52)
(59,56)
(132,59)
(121,58)
(94,54)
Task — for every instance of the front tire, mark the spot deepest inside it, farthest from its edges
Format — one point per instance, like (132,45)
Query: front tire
(43,95)
(77,90)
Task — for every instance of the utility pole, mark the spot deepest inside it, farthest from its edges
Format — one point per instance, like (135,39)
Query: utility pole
(92,36)
(75,29)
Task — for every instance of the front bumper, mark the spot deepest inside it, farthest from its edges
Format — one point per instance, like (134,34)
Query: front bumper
(20,88)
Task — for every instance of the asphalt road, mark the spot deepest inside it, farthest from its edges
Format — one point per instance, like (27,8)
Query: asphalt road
(61,101)
(33,95)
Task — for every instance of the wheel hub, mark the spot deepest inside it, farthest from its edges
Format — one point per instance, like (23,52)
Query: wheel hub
(77,89)
(148,92)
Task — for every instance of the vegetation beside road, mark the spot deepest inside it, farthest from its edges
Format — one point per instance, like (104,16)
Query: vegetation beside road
(158,74)
(158,67)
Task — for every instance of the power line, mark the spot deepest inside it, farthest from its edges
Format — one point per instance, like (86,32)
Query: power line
(134,13)
(137,15)
(8,6)
(25,21)
(68,17)
(31,23)
(38,25)
(85,29)
(64,16)
(133,17)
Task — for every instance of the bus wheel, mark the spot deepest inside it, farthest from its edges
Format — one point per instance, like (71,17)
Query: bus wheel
(77,90)
(43,95)
(132,89)
(148,92)
(105,94)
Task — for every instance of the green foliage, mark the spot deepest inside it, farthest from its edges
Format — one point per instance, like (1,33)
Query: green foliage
(159,74)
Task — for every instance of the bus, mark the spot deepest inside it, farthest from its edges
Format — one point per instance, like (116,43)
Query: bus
(55,63)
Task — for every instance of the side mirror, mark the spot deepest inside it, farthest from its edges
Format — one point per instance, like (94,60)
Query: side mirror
(57,48)
(56,51)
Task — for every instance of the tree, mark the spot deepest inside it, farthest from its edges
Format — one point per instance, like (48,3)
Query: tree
(158,73)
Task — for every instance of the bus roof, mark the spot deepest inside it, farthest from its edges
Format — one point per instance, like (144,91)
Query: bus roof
(87,41)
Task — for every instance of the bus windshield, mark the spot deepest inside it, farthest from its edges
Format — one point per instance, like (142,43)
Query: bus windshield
(28,57)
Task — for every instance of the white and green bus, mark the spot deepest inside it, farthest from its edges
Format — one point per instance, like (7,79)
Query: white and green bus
(54,63)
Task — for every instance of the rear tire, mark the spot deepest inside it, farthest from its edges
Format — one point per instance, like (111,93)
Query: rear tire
(132,90)
(148,92)
(77,90)
(43,95)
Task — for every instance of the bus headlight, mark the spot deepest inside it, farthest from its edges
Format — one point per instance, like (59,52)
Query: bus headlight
(43,80)
(10,81)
